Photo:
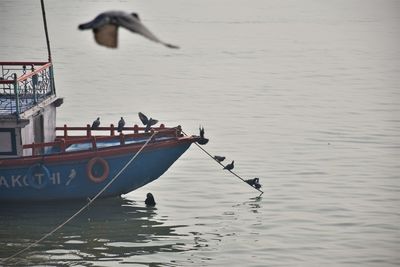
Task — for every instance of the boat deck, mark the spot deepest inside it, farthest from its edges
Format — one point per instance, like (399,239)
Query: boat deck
(8,105)
(103,144)
(24,85)
(78,139)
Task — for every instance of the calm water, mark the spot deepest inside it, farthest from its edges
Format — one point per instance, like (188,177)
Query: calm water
(303,94)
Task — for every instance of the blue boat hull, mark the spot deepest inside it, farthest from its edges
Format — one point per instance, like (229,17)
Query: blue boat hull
(83,177)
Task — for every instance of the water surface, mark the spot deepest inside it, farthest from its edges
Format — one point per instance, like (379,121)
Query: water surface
(303,94)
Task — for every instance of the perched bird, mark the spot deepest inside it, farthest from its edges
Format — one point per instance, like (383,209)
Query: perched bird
(219,158)
(105,28)
(255,182)
(96,124)
(121,124)
(147,122)
(150,202)
(229,166)
(202,140)
(201,130)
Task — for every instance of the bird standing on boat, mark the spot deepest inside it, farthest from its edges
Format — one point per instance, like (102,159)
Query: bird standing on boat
(202,140)
(146,121)
(105,28)
(121,125)
(150,202)
(96,124)
(229,166)
(219,158)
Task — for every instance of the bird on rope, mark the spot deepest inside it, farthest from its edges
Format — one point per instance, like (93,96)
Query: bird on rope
(121,125)
(255,182)
(219,158)
(229,166)
(96,124)
(147,122)
(105,28)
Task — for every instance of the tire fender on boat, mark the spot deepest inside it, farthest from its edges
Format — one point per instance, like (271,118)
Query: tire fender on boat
(41,173)
(92,174)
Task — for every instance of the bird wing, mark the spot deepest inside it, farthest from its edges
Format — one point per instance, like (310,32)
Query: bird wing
(152,122)
(143,118)
(133,23)
(106,35)
(97,22)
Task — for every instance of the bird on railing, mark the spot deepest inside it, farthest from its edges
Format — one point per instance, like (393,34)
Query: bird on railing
(219,158)
(147,122)
(105,28)
(121,125)
(229,166)
(96,124)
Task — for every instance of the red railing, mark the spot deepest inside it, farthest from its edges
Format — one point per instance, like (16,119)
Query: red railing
(64,141)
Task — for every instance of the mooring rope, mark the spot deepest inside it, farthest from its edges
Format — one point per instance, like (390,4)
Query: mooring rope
(85,206)
(205,151)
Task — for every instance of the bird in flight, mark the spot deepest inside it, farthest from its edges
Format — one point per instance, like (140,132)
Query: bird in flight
(146,121)
(105,28)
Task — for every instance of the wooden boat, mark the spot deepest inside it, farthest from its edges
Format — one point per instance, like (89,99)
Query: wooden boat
(42,162)
(37,163)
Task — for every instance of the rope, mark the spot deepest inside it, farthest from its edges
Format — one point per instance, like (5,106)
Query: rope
(205,151)
(45,29)
(85,206)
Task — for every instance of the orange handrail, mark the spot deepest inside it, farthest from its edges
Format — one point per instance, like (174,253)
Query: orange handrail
(28,75)
(136,129)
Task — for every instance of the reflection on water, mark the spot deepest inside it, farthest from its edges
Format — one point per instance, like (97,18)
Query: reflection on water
(108,231)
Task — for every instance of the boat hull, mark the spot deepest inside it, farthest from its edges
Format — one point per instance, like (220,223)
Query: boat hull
(83,175)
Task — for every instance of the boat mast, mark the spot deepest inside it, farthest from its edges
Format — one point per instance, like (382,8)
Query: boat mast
(45,29)
(53,86)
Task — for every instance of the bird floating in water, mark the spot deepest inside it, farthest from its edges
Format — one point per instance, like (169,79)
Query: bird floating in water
(219,158)
(229,166)
(147,122)
(202,140)
(121,125)
(105,28)
(255,182)
(96,124)
(150,202)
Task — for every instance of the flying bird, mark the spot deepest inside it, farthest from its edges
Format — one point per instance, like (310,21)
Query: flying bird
(229,166)
(219,158)
(146,121)
(150,202)
(105,28)
(96,124)
(121,124)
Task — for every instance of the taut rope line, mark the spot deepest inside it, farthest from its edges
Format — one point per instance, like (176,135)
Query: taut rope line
(85,206)
(205,151)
